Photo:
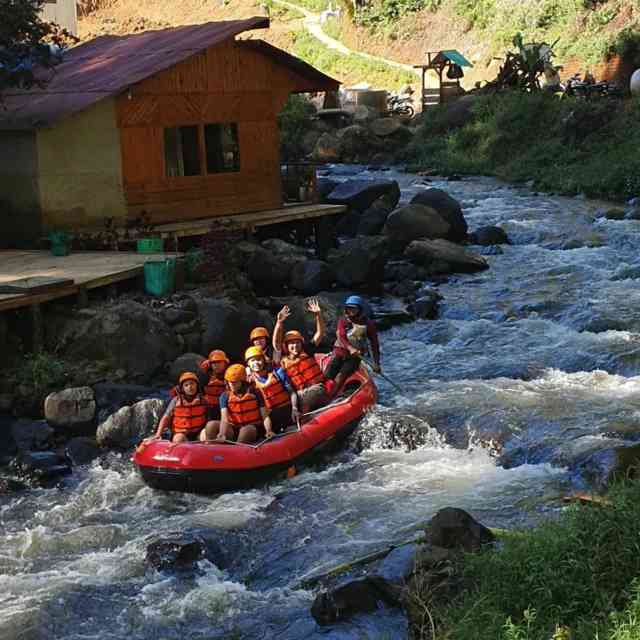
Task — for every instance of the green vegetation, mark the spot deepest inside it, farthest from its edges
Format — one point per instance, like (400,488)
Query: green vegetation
(39,371)
(294,121)
(569,146)
(575,578)
(348,69)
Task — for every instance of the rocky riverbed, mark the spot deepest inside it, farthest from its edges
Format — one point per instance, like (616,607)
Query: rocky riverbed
(517,352)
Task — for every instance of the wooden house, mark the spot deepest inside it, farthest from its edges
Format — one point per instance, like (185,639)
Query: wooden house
(178,123)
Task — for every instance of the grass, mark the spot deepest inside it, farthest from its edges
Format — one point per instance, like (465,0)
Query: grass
(348,69)
(573,578)
(568,146)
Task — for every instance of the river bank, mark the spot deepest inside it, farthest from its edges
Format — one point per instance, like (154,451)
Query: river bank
(567,146)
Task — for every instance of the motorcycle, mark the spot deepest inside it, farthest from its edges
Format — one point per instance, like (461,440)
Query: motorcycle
(400,106)
(588,88)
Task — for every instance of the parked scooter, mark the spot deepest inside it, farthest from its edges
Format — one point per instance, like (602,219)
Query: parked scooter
(588,88)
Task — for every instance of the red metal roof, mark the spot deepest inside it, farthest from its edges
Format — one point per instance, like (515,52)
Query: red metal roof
(108,65)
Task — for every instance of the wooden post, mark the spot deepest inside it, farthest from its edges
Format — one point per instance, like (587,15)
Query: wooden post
(322,232)
(37,327)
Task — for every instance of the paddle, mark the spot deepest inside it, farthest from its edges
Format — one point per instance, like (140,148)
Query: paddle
(379,373)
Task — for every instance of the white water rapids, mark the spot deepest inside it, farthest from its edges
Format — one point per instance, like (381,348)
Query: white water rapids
(543,346)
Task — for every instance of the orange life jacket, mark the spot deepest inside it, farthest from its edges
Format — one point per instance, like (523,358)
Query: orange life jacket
(243,410)
(303,372)
(212,392)
(273,391)
(189,417)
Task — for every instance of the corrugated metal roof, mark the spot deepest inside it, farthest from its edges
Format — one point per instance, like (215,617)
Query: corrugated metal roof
(321,81)
(456,57)
(108,65)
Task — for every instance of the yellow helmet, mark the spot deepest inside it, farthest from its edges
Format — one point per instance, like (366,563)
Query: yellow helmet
(235,373)
(291,336)
(253,352)
(258,332)
(218,356)
(188,375)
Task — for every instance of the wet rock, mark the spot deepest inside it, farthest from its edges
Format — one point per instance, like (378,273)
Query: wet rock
(387,319)
(348,224)
(486,236)
(82,450)
(72,409)
(614,214)
(406,289)
(442,256)
(374,218)
(632,214)
(129,425)
(627,272)
(188,362)
(328,148)
(177,315)
(111,396)
(358,143)
(493,250)
(399,564)
(448,209)
(31,435)
(268,272)
(312,276)
(227,323)
(359,596)
(181,552)
(400,270)
(41,465)
(281,248)
(393,431)
(360,261)
(453,528)
(125,335)
(414,221)
(363,114)
(426,306)
(360,194)
(9,485)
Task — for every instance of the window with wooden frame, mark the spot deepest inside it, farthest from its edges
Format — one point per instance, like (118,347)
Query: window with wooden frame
(201,149)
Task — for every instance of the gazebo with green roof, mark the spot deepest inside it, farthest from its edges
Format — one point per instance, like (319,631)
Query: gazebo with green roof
(449,61)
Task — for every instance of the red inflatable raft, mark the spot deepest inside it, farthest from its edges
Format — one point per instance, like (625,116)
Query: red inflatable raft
(214,466)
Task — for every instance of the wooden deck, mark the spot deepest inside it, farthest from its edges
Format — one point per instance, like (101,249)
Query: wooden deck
(87,269)
(252,220)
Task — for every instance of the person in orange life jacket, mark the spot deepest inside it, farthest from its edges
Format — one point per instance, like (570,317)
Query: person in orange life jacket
(187,413)
(279,395)
(259,337)
(242,410)
(354,333)
(215,366)
(297,358)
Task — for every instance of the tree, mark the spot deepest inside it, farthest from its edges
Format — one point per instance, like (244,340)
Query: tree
(29,47)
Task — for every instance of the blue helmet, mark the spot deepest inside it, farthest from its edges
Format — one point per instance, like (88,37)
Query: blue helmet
(355,301)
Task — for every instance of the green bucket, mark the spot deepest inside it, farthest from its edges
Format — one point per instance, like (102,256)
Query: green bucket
(150,245)
(60,248)
(193,259)
(160,276)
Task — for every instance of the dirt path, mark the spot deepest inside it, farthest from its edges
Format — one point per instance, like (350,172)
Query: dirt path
(312,24)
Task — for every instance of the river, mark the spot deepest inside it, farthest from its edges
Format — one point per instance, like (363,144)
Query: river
(542,346)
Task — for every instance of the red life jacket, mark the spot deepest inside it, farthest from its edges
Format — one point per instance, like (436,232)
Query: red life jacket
(303,372)
(243,410)
(189,417)
(273,391)
(212,392)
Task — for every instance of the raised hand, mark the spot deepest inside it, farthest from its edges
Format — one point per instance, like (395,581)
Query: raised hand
(283,314)
(314,306)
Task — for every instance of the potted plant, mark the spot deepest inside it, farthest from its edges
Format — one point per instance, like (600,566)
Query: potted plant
(60,242)
(146,241)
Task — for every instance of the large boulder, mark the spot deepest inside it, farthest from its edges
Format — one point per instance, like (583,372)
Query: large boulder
(280,247)
(454,528)
(182,552)
(412,222)
(227,324)
(187,362)
(442,256)
(357,143)
(72,409)
(41,466)
(386,126)
(360,261)
(359,596)
(112,396)
(327,149)
(372,221)
(128,426)
(82,450)
(127,335)
(360,194)
(268,271)
(448,208)
(311,276)
(30,435)
(487,236)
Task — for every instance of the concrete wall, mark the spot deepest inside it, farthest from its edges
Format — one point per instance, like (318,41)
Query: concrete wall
(19,194)
(63,13)
(80,169)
